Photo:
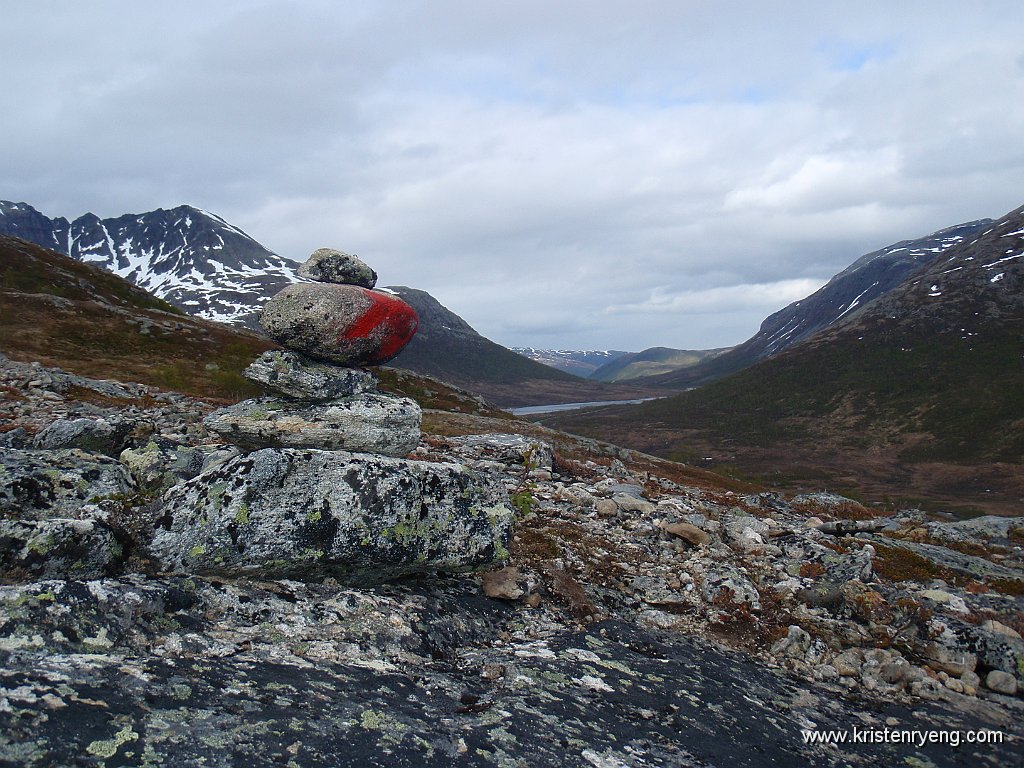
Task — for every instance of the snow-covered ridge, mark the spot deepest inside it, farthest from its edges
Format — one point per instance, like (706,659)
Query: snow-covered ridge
(191,258)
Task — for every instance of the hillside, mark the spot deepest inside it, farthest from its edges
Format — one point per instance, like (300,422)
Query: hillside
(61,312)
(866,279)
(920,395)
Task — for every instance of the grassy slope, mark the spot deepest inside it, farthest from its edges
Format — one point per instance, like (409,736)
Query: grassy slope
(64,313)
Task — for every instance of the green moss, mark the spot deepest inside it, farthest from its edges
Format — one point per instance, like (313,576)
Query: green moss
(197,551)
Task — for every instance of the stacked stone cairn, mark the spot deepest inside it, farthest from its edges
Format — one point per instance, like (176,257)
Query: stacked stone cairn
(325,489)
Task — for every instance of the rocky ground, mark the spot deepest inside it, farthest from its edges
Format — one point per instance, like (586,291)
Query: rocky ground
(648,615)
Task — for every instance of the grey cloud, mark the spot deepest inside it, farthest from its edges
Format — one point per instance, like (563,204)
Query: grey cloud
(533,164)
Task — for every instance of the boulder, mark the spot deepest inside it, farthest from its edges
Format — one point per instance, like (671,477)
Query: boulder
(343,324)
(44,484)
(506,448)
(307,514)
(293,375)
(726,585)
(327,265)
(368,422)
(104,436)
(59,547)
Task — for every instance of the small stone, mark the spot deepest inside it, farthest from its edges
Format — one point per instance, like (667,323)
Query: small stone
(795,644)
(954,685)
(632,504)
(1000,629)
(503,584)
(343,324)
(606,508)
(688,533)
(493,671)
(970,680)
(1001,682)
(327,265)
(848,663)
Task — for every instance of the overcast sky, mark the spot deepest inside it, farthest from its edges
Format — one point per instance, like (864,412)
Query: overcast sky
(572,174)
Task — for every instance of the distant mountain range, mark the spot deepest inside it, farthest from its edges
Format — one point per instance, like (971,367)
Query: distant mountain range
(191,258)
(653,362)
(920,389)
(577,362)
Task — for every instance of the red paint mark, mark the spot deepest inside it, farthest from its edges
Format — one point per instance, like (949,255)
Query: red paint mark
(391,318)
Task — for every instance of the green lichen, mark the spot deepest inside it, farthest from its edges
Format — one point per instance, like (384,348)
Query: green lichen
(242,515)
(314,515)
(197,551)
(391,730)
(107,748)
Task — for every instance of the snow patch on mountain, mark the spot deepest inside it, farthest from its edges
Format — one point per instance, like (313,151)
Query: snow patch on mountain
(189,257)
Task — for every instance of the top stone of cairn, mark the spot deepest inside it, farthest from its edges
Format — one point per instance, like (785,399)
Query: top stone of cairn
(326,265)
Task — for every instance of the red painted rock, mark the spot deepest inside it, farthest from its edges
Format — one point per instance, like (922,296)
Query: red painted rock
(343,324)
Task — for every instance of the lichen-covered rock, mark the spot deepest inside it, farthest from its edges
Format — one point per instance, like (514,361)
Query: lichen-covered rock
(58,548)
(292,375)
(327,265)
(369,422)
(726,585)
(44,484)
(507,448)
(161,463)
(308,513)
(104,436)
(343,324)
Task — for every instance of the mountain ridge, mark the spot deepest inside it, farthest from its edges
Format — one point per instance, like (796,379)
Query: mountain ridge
(192,258)
(844,295)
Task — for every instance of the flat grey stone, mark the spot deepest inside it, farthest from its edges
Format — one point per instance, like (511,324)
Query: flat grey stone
(294,375)
(369,422)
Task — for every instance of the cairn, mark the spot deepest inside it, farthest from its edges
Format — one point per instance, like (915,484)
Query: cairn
(323,398)
(325,488)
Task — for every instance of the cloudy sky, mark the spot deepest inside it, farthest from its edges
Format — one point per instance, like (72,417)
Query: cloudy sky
(562,174)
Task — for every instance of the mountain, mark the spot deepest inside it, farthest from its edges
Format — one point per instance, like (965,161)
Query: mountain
(447,347)
(869,277)
(578,363)
(919,394)
(652,362)
(189,257)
